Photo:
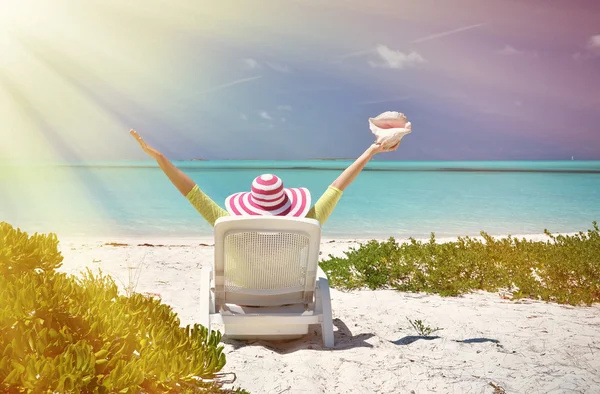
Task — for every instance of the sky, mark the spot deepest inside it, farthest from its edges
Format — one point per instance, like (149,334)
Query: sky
(298,79)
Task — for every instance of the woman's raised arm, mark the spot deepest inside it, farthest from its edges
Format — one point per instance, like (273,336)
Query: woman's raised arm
(350,173)
(182,182)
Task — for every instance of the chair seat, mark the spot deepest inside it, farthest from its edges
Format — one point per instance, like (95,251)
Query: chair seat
(265,316)
(295,309)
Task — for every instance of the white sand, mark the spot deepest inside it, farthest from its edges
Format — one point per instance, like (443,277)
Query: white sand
(486,341)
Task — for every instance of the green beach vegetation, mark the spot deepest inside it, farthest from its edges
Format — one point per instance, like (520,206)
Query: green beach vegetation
(563,269)
(67,334)
(422,329)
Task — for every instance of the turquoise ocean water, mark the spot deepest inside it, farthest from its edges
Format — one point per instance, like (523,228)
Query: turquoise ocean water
(401,199)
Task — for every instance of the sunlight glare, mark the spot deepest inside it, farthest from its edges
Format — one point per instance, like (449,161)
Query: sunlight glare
(18,16)
(37,104)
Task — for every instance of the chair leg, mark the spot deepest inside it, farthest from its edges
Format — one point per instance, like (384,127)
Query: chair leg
(327,323)
(206,301)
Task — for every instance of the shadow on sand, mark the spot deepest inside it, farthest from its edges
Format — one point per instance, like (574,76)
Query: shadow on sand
(313,340)
(478,340)
(407,340)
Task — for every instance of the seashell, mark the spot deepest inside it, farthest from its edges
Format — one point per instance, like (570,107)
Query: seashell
(389,127)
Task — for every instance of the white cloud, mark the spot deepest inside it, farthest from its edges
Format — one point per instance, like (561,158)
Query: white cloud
(593,44)
(357,53)
(447,33)
(255,64)
(388,58)
(283,120)
(284,107)
(509,50)
(415,41)
(250,63)
(592,49)
(243,117)
(265,115)
(229,84)
(282,68)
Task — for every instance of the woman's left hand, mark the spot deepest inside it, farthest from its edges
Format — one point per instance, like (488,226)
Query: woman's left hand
(150,151)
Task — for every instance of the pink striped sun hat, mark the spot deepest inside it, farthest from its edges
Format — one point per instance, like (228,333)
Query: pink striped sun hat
(268,197)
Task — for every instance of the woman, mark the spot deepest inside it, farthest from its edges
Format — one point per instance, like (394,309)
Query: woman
(267,195)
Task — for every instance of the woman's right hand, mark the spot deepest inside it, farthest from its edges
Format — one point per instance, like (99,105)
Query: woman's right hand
(379,148)
(153,153)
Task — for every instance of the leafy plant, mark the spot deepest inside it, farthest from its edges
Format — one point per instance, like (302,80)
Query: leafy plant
(564,269)
(422,329)
(60,333)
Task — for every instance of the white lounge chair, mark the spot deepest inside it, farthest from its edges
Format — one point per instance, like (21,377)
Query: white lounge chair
(266,282)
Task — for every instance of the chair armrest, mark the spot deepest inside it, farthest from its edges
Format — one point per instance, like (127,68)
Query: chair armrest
(321,274)
(206,301)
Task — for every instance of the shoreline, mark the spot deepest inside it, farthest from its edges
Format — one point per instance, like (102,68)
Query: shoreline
(205,240)
(589,167)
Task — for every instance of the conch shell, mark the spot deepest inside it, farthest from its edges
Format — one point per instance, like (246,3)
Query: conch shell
(389,128)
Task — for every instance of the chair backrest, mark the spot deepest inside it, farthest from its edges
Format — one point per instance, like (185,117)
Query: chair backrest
(265,261)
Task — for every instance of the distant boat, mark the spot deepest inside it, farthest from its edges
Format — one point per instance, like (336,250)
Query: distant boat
(571,157)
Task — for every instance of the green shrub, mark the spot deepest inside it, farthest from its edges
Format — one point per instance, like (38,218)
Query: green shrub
(423,329)
(564,269)
(60,333)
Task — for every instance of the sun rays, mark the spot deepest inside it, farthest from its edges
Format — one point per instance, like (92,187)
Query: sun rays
(71,85)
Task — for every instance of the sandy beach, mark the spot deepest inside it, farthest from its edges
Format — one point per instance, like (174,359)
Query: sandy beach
(489,343)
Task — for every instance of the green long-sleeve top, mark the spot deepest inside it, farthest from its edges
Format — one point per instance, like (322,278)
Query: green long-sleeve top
(211,211)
